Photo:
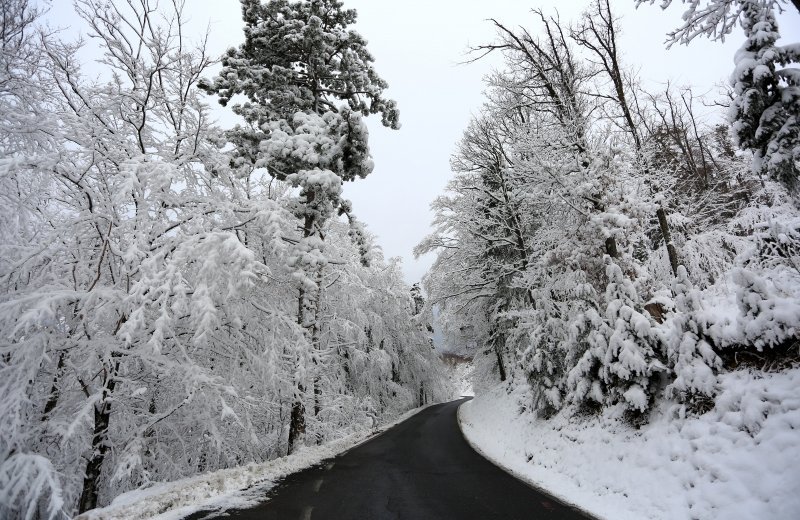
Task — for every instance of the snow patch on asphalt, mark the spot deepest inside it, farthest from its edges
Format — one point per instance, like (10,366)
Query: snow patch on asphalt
(738,461)
(233,488)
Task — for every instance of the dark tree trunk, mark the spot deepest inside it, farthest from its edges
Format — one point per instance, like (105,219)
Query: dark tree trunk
(611,247)
(316,345)
(91,480)
(305,307)
(348,380)
(500,364)
(297,422)
(55,393)
(317,396)
(671,251)
(102,417)
(315,341)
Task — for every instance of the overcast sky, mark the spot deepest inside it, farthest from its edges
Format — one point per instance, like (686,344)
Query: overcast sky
(419,46)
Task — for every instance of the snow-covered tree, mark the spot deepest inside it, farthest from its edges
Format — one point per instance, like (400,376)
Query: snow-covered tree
(714,19)
(624,361)
(148,276)
(757,313)
(766,107)
(373,356)
(309,80)
(122,271)
(689,353)
(766,80)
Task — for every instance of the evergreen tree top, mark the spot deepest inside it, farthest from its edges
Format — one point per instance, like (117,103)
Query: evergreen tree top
(301,57)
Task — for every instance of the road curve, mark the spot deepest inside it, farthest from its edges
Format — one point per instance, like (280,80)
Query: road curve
(422,469)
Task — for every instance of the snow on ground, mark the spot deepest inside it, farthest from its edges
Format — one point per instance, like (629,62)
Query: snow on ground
(741,460)
(224,489)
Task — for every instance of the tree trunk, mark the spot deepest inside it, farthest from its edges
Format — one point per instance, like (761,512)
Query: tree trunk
(611,247)
(305,307)
(297,422)
(55,393)
(316,345)
(317,397)
(671,251)
(91,479)
(500,365)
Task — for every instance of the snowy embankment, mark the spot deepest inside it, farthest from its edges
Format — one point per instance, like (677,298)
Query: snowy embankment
(738,461)
(228,488)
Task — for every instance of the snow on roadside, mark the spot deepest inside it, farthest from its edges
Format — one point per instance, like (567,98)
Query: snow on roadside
(741,460)
(239,487)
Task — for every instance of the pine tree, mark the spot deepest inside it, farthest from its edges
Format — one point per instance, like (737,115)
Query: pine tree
(766,109)
(623,361)
(309,81)
(689,353)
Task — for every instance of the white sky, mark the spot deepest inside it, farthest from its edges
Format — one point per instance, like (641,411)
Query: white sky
(418,47)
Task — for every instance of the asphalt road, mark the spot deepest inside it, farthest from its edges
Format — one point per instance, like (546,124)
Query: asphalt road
(419,470)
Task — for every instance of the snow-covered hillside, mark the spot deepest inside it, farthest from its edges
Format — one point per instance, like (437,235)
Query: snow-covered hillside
(627,268)
(738,462)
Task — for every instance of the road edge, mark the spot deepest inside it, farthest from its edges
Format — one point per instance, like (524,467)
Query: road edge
(380,430)
(523,478)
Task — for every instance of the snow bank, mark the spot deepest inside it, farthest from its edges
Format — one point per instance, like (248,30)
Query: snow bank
(738,461)
(225,489)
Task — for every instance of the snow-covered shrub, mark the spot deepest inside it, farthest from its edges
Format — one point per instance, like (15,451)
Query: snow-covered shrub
(689,354)
(756,307)
(624,360)
(552,334)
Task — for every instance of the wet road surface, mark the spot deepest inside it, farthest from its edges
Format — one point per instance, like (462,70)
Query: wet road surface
(422,469)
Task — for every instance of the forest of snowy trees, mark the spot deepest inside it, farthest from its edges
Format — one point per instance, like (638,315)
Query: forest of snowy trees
(608,245)
(177,297)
